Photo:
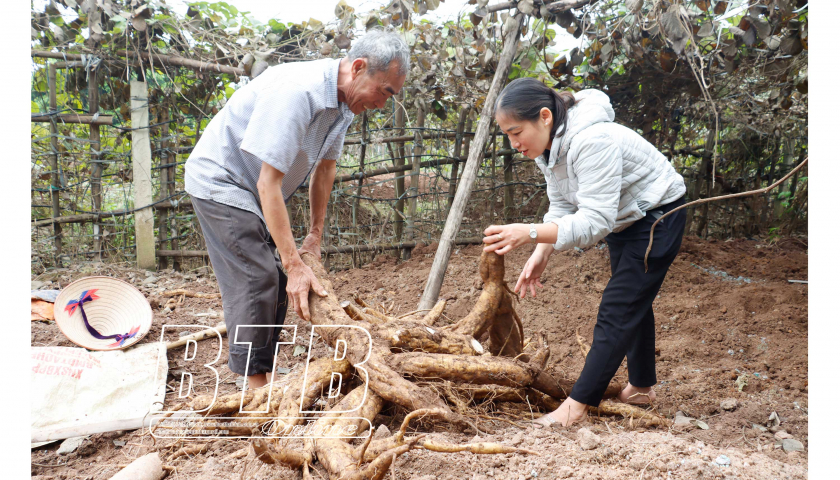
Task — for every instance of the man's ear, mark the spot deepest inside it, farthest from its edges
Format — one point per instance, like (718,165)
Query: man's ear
(358,67)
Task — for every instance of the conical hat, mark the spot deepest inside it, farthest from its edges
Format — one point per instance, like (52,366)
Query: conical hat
(112,307)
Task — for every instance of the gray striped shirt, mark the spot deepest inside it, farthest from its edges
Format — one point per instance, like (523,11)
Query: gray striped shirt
(289,117)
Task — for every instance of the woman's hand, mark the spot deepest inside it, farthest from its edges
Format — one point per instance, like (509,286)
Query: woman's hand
(504,238)
(534,268)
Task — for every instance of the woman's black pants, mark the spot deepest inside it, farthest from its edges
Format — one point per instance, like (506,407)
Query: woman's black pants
(625,325)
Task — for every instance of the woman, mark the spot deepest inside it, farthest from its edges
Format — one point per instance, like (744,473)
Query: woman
(604,181)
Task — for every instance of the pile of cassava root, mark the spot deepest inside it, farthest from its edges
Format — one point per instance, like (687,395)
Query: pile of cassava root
(431,372)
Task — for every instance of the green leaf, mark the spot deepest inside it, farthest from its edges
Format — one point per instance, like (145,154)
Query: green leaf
(276,26)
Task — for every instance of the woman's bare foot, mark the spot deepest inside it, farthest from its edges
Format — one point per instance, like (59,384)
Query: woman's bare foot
(568,413)
(637,395)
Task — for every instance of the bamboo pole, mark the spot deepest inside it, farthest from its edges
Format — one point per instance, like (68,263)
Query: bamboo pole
(362,169)
(459,138)
(55,185)
(553,7)
(491,194)
(456,213)
(414,189)
(177,61)
(174,231)
(404,168)
(508,171)
(163,183)
(95,158)
(399,180)
(330,250)
(83,119)
(409,138)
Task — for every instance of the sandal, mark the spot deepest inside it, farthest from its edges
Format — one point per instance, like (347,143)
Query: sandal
(630,401)
(545,421)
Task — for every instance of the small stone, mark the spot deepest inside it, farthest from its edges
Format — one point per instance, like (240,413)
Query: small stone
(723,461)
(119,443)
(70,445)
(781,435)
(381,432)
(37,284)
(565,472)
(587,440)
(729,404)
(240,382)
(680,420)
(792,445)
(758,427)
(151,280)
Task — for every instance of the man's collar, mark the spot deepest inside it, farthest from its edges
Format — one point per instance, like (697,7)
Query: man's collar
(332,84)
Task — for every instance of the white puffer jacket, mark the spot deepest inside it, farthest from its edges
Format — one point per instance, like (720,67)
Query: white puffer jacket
(602,176)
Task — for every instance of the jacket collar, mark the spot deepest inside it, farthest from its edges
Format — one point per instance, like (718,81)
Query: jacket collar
(591,107)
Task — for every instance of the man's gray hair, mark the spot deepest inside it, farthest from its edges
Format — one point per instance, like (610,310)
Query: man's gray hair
(380,48)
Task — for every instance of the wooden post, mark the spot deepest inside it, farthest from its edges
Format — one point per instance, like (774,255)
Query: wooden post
(55,186)
(95,158)
(456,213)
(414,190)
(769,209)
(466,147)
(508,159)
(141,158)
(163,186)
(174,231)
(399,177)
(491,194)
(361,169)
(459,138)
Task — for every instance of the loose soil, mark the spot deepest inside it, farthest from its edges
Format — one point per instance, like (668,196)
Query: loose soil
(726,315)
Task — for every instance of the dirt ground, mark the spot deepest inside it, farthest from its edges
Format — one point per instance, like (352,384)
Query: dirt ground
(731,330)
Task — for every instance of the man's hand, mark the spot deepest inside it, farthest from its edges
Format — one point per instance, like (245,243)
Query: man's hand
(311,244)
(301,279)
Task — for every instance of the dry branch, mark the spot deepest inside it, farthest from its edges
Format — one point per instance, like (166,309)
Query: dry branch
(722,197)
(191,294)
(106,120)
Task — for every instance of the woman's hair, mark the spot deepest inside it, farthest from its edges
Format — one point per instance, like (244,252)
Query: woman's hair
(523,99)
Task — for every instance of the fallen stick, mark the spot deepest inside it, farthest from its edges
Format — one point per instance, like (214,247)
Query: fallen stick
(722,197)
(188,293)
(219,330)
(190,451)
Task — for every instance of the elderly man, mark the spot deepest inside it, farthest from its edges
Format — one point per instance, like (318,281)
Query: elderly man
(272,133)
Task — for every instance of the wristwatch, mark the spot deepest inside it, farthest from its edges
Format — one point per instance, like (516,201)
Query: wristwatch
(533,233)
